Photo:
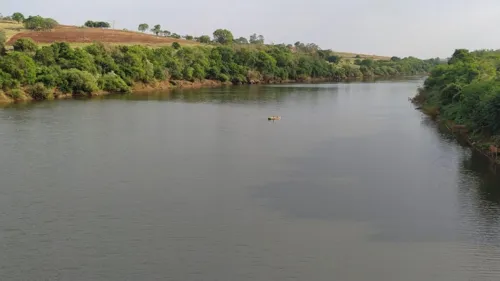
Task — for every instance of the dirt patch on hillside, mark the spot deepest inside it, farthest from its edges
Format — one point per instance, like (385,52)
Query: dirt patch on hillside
(72,34)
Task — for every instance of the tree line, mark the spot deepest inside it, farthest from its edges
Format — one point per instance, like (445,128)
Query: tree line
(58,68)
(466,91)
(97,24)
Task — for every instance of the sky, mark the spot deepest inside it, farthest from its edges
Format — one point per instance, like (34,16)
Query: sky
(420,28)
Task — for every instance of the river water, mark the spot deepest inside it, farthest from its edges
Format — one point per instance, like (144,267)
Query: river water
(352,184)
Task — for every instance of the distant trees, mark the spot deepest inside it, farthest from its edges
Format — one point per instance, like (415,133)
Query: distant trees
(97,24)
(39,23)
(18,17)
(223,36)
(204,39)
(334,59)
(256,39)
(175,35)
(188,37)
(241,40)
(156,29)
(143,27)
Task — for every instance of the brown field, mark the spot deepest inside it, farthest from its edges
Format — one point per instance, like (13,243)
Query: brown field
(78,37)
(73,34)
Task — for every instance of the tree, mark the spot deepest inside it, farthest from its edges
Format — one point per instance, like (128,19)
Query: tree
(19,66)
(334,59)
(166,33)
(461,55)
(156,29)
(3,38)
(188,37)
(204,39)
(18,17)
(223,36)
(97,24)
(25,45)
(395,59)
(256,39)
(176,45)
(175,35)
(241,40)
(39,23)
(143,27)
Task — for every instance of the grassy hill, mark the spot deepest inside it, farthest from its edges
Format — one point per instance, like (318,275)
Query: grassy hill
(80,36)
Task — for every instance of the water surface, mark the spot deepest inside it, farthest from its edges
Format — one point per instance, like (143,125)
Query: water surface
(352,184)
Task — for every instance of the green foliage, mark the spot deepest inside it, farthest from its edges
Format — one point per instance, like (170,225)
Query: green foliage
(241,40)
(15,93)
(204,39)
(39,23)
(77,82)
(39,92)
(25,45)
(334,59)
(19,66)
(18,17)
(188,37)
(113,83)
(175,35)
(116,68)
(3,39)
(176,45)
(223,36)
(156,29)
(466,90)
(143,27)
(256,39)
(97,24)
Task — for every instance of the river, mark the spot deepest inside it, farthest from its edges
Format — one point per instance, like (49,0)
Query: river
(351,184)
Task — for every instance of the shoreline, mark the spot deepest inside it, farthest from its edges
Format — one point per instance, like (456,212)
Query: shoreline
(169,85)
(459,133)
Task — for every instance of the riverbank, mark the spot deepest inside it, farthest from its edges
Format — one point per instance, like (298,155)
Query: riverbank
(465,94)
(479,143)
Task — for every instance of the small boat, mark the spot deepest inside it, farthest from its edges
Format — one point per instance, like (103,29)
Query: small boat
(274,118)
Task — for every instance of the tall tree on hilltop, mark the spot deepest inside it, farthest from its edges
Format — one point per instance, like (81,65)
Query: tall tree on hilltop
(18,17)
(143,27)
(156,29)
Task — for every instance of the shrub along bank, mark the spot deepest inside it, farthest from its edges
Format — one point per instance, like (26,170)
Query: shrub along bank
(43,72)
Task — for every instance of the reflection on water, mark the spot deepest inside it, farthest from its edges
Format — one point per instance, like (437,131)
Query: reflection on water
(352,184)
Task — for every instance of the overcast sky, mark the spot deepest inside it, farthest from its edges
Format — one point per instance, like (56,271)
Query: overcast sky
(422,28)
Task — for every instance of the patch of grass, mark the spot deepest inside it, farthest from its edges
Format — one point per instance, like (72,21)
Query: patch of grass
(11,28)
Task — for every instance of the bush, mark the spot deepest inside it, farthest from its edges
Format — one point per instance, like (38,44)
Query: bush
(25,45)
(176,45)
(39,92)
(78,82)
(19,66)
(113,83)
(15,94)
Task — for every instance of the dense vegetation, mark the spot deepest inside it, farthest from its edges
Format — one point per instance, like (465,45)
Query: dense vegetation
(86,70)
(39,23)
(467,92)
(97,24)
(44,71)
